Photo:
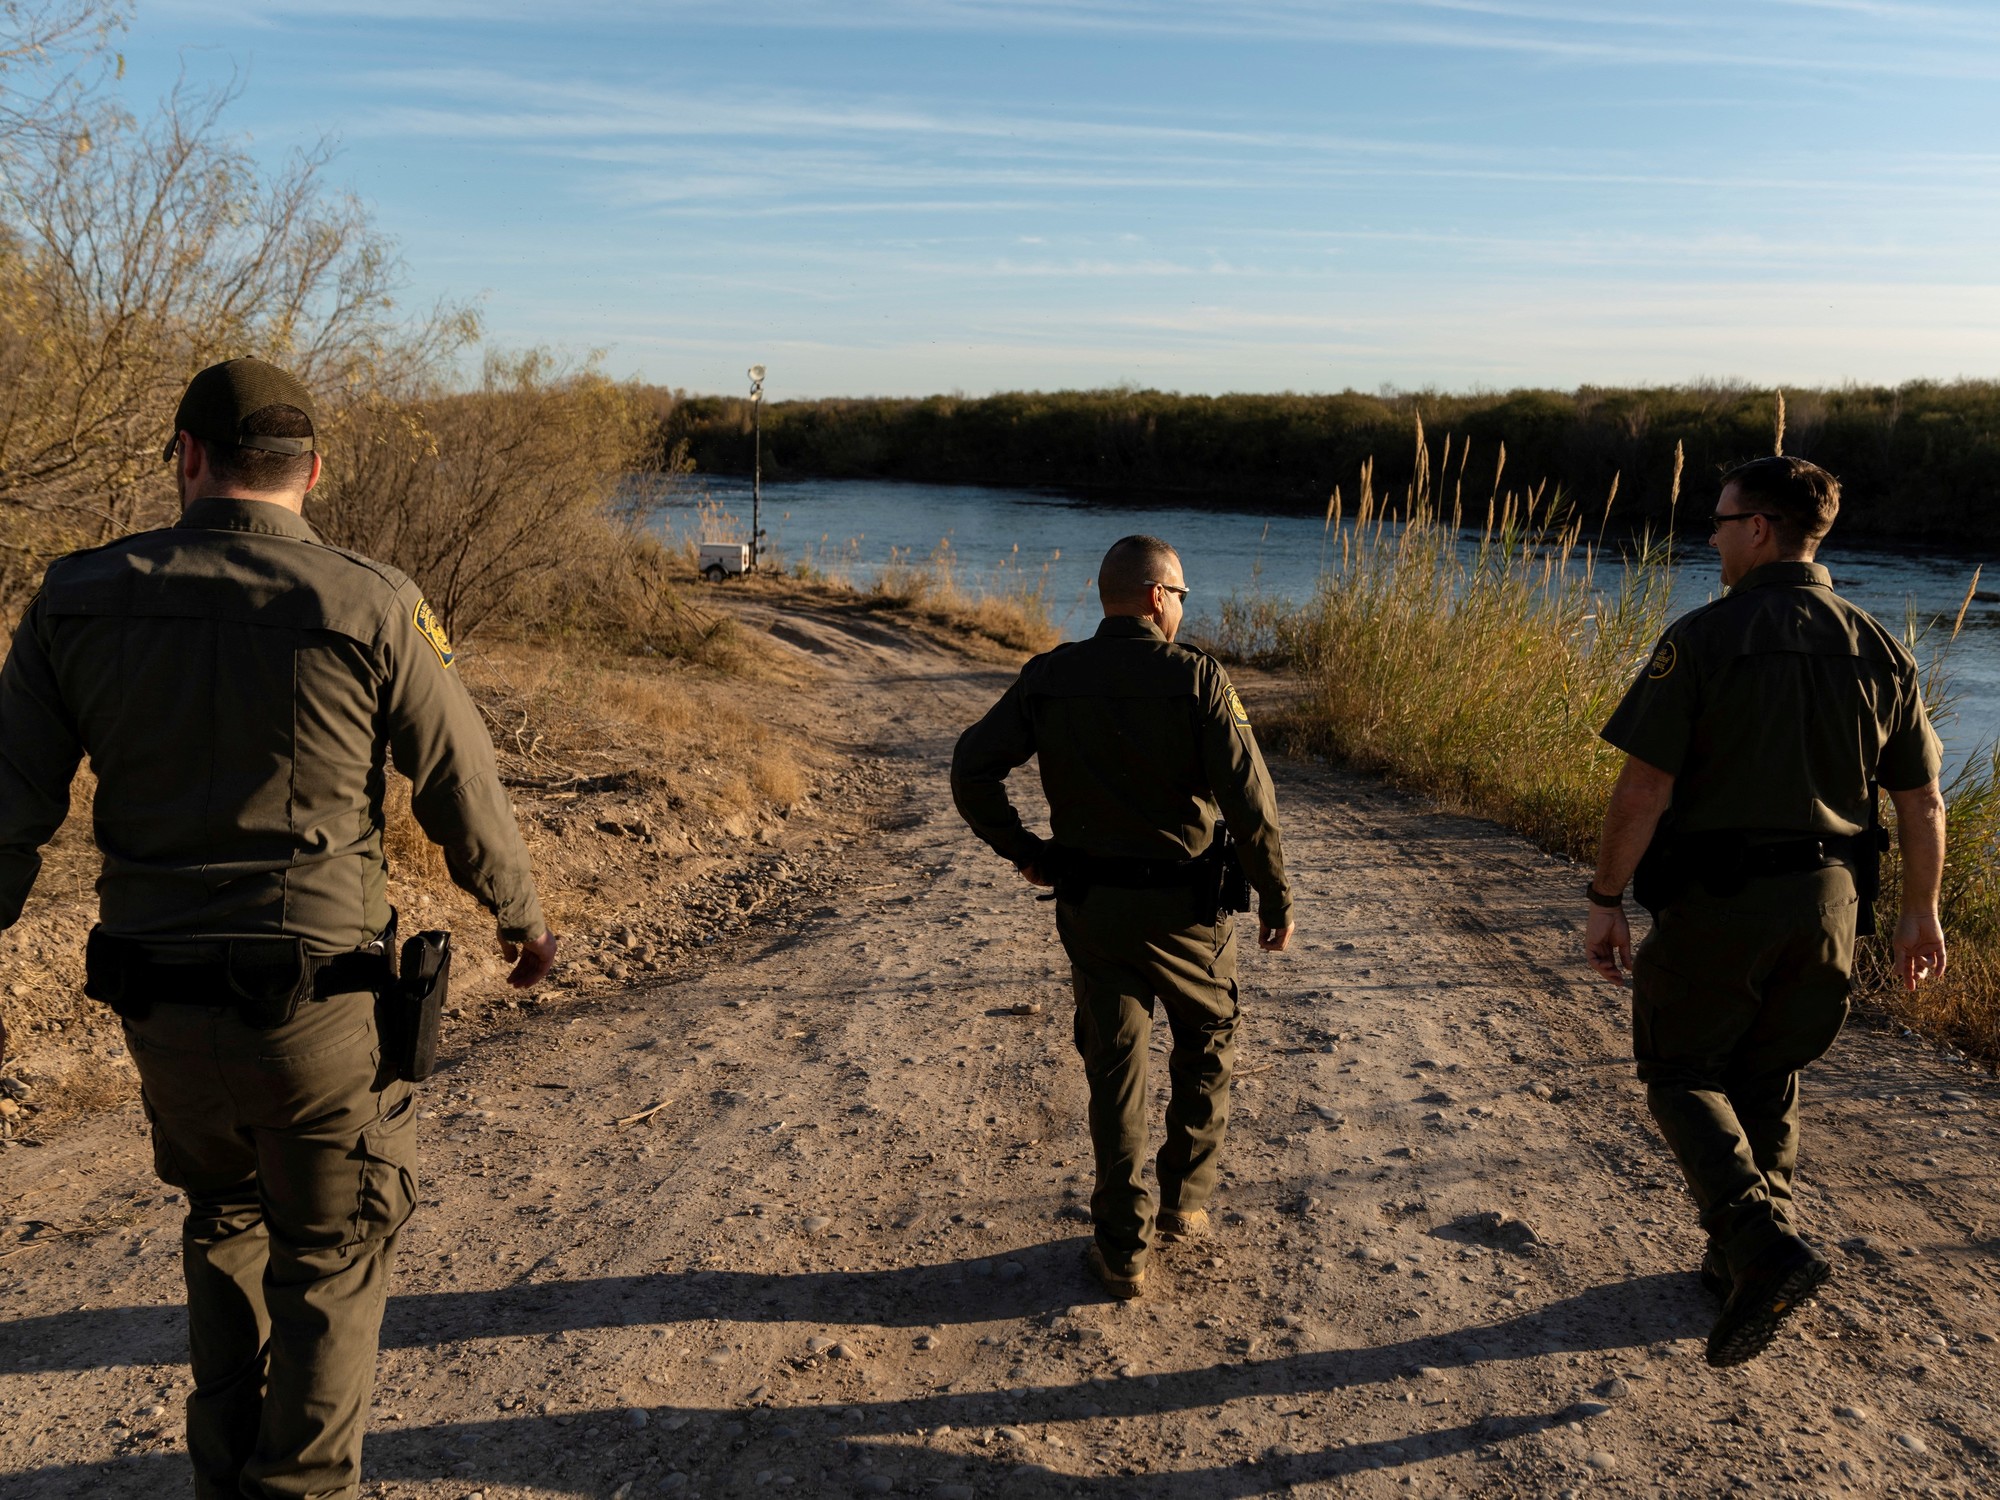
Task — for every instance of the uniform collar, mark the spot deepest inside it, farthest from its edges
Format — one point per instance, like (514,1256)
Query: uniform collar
(1793,574)
(1129,627)
(226,513)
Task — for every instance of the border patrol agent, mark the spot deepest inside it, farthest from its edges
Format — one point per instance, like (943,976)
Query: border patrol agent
(237,684)
(1755,738)
(1143,744)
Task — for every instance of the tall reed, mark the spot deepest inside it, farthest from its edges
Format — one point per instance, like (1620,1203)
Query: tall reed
(1476,667)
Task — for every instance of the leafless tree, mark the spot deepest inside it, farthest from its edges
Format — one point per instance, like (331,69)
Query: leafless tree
(480,494)
(130,256)
(53,56)
(132,253)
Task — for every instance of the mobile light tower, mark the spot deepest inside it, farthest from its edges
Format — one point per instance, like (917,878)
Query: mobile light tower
(756,460)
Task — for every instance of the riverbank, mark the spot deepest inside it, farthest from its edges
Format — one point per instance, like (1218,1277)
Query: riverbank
(1482,676)
(1473,663)
(801,1205)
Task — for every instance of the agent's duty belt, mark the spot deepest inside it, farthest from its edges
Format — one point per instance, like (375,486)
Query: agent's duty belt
(1129,874)
(1215,875)
(1786,857)
(1723,861)
(264,978)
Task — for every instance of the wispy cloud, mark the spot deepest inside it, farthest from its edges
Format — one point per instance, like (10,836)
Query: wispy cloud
(1857,36)
(934,193)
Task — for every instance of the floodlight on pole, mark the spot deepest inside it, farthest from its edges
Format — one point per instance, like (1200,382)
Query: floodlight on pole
(756,461)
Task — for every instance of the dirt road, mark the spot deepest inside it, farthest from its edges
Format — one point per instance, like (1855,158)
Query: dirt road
(839,1253)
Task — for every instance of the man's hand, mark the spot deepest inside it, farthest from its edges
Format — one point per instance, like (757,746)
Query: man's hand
(1034,876)
(1274,939)
(1920,951)
(532,960)
(1607,943)
(1920,819)
(1639,799)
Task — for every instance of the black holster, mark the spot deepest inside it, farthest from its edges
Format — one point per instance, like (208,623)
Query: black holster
(1663,876)
(410,1010)
(1869,846)
(1232,883)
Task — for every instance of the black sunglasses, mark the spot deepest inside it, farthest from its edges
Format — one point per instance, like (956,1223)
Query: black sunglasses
(1179,593)
(1715,521)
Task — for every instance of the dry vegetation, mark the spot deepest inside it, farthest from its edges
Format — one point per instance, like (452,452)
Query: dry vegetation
(133,253)
(1009,606)
(627,772)
(1479,667)
(1477,670)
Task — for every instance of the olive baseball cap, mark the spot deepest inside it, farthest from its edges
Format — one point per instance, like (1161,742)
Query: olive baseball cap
(223,397)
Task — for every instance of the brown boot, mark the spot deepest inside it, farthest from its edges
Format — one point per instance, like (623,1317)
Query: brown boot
(1173,1226)
(1124,1285)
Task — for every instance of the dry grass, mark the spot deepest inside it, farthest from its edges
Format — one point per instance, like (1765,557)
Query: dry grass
(564,714)
(412,857)
(1963,1007)
(624,592)
(1479,670)
(1476,671)
(1009,606)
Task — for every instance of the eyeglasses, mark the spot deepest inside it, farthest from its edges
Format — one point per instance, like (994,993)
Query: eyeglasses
(1715,521)
(1178,592)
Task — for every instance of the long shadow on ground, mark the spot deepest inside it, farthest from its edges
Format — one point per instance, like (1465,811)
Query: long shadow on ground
(924,1296)
(840,1446)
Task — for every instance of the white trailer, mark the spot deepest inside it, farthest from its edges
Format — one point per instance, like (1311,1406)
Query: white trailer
(720,560)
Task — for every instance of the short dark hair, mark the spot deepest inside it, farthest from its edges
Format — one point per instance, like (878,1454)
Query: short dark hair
(1131,564)
(253,468)
(1803,496)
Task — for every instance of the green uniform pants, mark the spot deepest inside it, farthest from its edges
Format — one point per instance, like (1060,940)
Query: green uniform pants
(1126,950)
(1730,999)
(296,1155)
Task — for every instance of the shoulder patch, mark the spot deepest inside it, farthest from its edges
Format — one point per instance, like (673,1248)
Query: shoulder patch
(1237,713)
(426,620)
(1666,656)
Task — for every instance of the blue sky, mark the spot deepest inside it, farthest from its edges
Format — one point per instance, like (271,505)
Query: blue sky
(960,195)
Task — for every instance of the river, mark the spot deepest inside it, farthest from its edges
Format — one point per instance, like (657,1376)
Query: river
(850,526)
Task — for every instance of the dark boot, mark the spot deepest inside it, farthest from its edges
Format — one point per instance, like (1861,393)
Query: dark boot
(1715,1278)
(1766,1292)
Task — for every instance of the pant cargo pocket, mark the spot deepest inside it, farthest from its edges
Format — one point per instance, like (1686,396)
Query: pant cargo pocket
(388,1174)
(166,1162)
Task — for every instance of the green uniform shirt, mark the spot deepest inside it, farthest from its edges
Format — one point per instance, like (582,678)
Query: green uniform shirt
(1141,742)
(237,685)
(1776,706)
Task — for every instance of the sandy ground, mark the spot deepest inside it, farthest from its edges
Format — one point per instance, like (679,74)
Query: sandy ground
(839,1255)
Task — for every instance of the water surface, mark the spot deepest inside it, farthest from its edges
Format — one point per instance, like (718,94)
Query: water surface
(853,525)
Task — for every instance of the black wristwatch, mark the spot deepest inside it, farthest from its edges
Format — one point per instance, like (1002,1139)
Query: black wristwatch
(1598,898)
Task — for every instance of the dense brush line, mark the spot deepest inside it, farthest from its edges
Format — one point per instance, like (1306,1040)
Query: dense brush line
(1917,461)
